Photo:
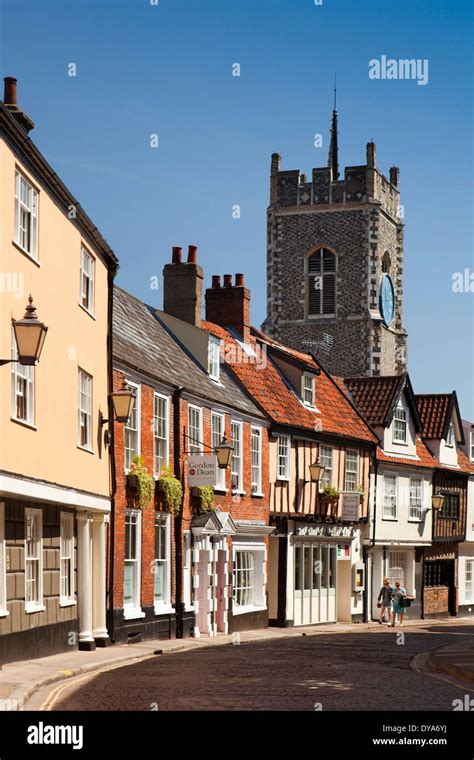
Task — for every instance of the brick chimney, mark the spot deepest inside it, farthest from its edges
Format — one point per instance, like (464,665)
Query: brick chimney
(9,100)
(229,306)
(182,284)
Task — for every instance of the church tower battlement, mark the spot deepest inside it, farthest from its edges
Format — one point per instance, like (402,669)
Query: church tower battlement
(335,264)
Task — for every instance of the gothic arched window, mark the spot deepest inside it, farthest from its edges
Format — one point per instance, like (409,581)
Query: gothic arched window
(386,263)
(322,282)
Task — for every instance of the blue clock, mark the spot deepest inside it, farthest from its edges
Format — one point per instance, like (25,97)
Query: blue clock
(387,300)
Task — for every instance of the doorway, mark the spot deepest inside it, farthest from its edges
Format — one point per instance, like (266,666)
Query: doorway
(315,565)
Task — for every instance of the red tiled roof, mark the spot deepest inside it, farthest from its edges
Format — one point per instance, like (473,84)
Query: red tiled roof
(464,463)
(433,410)
(375,396)
(425,457)
(269,389)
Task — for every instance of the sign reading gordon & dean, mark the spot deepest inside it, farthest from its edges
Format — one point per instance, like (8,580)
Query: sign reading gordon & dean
(202,470)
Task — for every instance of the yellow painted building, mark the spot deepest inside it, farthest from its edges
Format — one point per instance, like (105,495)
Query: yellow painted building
(54,466)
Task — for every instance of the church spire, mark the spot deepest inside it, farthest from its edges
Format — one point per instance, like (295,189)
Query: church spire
(333,160)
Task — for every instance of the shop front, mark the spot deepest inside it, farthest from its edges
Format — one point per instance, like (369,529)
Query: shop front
(316,574)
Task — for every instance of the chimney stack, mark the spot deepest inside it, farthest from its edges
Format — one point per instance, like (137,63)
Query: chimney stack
(229,306)
(182,285)
(9,100)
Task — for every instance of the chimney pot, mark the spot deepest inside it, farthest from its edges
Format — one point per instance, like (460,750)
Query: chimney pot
(216,280)
(239,280)
(9,91)
(192,250)
(177,253)
(227,281)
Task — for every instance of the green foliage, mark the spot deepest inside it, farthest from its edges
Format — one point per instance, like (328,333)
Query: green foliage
(171,489)
(145,482)
(207,498)
(331,492)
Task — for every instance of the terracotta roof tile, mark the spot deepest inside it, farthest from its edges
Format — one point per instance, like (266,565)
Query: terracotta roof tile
(433,410)
(375,396)
(425,457)
(271,391)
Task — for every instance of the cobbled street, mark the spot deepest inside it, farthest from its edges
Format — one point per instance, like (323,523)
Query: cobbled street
(334,671)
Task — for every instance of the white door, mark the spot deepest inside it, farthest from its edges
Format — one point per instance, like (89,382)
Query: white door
(315,566)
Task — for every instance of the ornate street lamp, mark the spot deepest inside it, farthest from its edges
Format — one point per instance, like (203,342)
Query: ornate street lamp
(316,471)
(123,402)
(30,333)
(224,453)
(437,501)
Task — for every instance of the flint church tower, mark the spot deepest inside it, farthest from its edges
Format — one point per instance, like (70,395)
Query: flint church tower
(335,265)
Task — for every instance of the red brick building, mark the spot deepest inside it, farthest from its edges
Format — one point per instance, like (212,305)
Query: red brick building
(201,569)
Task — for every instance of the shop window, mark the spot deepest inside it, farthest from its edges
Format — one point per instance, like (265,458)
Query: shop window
(436,573)
(248,579)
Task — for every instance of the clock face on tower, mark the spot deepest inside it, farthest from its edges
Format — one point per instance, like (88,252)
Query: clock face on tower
(387,300)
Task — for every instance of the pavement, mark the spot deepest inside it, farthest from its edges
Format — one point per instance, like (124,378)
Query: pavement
(20,680)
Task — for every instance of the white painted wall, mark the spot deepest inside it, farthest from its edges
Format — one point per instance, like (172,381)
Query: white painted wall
(396,447)
(403,529)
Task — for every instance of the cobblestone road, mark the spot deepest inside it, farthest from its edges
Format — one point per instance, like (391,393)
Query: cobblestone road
(339,671)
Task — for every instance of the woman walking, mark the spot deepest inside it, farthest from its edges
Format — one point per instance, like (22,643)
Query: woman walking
(384,599)
(397,609)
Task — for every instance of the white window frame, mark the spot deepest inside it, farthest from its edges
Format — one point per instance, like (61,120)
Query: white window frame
(256,461)
(195,446)
(26,375)
(87,272)
(451,436)
(348,472)
(283,457)
(325,458)
(187,571)
(136,431)
(88,412)
(213,357)
(257,571)
(385,515)
(472,445)
(3,564)
(163,605)
(415,510)
(469,582)
(132,609)
(395,431)
(308,390)
(218,416)
(34,605)
(239,472)
(66,554)
(158,398)
(32,211)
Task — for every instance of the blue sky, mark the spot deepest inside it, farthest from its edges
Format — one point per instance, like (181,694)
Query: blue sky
(167,69)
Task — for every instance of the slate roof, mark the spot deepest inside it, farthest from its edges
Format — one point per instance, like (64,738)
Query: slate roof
(275,396)
(376,397)
(142,342)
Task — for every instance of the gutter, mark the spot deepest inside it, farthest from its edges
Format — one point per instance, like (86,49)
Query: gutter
(113,472)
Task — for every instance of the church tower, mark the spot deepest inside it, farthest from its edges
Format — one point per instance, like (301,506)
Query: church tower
(335,265)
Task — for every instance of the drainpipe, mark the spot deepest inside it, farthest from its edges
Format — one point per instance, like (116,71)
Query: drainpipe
(113,478)
(369,555)
(178,520)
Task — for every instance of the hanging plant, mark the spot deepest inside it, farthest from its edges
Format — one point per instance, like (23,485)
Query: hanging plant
(330,492)
(171,490)
(144,483)
(207,497)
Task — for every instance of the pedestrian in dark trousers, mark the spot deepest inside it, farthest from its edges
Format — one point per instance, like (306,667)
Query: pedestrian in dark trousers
(384,599)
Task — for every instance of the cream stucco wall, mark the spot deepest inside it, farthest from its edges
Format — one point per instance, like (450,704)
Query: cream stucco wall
(74,339)
(403,529)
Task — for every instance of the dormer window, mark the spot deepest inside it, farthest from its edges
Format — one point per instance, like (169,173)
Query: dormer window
(400,425)
(450,438)
(213,358)
(307,389)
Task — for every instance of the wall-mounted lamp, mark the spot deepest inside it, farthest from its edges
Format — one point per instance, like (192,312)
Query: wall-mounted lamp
(30,333)
(122,401)
(437,501)
(316,471)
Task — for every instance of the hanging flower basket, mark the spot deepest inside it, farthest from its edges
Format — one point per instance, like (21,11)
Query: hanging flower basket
(170,491)
(205,498)
(141,483)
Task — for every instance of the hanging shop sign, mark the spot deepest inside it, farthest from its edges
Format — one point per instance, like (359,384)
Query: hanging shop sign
(350,506)
(202,470)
